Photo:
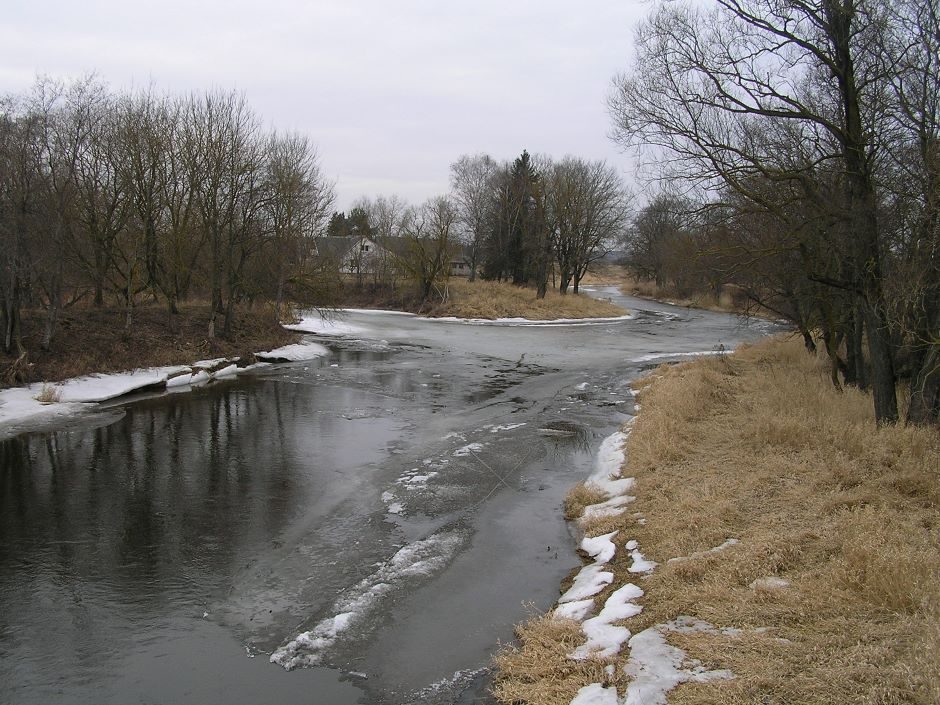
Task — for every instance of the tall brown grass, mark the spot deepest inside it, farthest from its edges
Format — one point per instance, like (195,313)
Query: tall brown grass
(488,299)
(759,447)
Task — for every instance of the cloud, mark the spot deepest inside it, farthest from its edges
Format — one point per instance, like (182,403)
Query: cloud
(391,92)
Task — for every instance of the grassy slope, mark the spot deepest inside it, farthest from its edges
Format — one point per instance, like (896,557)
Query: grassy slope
(487,299)
(758,446)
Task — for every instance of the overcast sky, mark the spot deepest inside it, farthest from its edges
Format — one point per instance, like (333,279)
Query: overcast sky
(391,92)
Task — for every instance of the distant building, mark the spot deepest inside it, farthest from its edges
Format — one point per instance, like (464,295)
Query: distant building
(350,255)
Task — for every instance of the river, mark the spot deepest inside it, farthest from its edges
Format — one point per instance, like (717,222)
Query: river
(377,519)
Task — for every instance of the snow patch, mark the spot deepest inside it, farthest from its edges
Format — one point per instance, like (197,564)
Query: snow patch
(657,667)
(591,579)
(770,583)
(577,610)
(102,387)
(641,564)
(610,508)
(227,371)
(596,694)
(604,638)
(600,548)
(533,322)
(610,458)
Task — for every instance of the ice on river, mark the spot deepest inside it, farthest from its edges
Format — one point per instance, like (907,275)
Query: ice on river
(21,402)
(318,325)
(295,353)
(414,562)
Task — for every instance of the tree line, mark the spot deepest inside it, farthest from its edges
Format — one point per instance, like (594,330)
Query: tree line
(531,221)
(799,145)
(127,197)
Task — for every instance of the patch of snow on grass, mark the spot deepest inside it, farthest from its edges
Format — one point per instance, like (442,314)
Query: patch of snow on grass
(604,638)
(206,364)
(515,321)
(641,564)
(612,507)
(657,667)
(577,610)
(600,548)
(590,580)
(770,583)
(607,464)
(417,560)
(596,694)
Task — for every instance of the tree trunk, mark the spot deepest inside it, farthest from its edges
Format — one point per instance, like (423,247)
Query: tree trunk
(925,389)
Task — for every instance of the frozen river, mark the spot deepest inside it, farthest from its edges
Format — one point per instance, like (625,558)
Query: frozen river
(374,522)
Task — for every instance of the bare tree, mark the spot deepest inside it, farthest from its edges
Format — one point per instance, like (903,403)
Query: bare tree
(725,92)
(472,181)
(297,205)
(430,236)
(588,208)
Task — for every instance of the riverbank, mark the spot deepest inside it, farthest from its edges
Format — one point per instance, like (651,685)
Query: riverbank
(481,300)
(90,340)
(786,550)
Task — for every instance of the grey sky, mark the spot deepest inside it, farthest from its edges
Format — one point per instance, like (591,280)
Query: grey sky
(391,92)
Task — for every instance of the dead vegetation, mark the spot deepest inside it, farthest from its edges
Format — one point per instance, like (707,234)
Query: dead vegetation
(759,447)
(92,340)
(490,300)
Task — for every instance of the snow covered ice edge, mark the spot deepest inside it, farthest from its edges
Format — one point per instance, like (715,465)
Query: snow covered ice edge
(654,666)
(44,401)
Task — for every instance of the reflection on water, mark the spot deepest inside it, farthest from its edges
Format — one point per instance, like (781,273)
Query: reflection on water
(564,436)
(107,533)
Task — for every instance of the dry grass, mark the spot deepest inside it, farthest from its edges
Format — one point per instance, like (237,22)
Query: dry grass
(759,447)
(49,394)
(488,299)
(579,497)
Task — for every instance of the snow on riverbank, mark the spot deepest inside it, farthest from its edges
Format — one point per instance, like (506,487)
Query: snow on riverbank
(664,356)
(318,325)
(653,665)
(44,401)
